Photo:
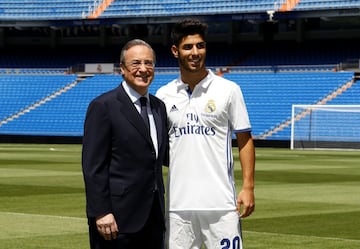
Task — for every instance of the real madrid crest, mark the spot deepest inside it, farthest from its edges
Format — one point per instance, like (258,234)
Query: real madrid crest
(210,106)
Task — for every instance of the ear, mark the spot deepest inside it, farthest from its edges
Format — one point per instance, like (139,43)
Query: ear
(175,51)
(121,69)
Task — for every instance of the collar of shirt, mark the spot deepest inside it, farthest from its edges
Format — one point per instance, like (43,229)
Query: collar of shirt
(134,95)
(204,83)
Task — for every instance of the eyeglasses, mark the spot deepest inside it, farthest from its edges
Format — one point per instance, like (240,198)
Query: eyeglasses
(136,64)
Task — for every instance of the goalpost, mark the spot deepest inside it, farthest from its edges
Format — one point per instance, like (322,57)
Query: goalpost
(325,127)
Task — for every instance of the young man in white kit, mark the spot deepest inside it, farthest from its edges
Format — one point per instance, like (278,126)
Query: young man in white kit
(204,110)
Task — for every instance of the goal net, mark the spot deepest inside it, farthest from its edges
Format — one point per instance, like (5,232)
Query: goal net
(325,127)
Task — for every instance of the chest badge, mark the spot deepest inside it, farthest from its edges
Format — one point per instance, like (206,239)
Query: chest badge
(210,106)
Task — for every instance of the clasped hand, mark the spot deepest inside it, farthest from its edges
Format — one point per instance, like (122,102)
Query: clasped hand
(107,227)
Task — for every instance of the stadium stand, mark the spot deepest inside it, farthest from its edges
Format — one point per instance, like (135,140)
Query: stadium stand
(325,5)
(276,50)
(22,93)
(269,97)
(81,9)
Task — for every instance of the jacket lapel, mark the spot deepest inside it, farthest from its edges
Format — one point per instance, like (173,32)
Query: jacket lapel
(130,113)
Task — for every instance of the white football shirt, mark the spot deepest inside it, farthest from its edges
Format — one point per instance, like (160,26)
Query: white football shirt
(200,173)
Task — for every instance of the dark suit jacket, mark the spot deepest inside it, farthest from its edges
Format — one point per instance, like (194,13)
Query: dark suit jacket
(120,168)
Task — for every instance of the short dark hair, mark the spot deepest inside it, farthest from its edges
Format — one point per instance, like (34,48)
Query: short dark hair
(133,43)
(188,26)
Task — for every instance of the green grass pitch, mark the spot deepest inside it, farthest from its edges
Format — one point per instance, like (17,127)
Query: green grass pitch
(304,199)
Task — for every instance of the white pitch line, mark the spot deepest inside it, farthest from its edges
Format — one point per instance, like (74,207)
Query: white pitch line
(45,216)
(303,236)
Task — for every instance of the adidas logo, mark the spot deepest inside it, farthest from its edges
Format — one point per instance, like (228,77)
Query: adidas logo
(173,108)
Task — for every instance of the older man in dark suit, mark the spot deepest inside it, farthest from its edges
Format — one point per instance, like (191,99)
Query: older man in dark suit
(122,158)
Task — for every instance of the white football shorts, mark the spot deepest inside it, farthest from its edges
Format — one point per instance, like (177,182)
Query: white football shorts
(214,229)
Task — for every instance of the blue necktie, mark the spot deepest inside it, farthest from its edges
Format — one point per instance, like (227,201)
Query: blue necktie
(144,113)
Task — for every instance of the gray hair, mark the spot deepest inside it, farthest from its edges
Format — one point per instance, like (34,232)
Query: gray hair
(132,43)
